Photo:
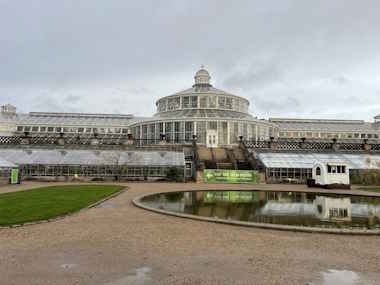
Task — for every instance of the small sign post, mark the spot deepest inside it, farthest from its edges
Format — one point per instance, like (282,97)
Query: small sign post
(15,176)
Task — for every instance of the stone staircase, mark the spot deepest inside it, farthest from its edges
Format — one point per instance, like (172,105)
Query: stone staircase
(222,158)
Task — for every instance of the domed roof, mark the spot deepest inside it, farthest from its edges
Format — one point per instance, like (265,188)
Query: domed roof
(202,72)
(202,77)
(200,113)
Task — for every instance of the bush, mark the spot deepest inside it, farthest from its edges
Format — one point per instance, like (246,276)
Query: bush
(174,197)
(366,177)
(174,174)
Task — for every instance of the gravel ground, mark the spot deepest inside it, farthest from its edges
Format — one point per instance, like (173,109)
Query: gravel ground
(119,244)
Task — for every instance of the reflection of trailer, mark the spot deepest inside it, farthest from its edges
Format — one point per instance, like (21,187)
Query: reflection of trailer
(330,175)
(337,209)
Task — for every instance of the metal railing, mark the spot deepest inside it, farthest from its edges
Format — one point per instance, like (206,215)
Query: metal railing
(314,145)
(96,141)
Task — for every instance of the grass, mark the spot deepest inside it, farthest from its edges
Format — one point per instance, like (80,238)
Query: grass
(371,188)
(49,202)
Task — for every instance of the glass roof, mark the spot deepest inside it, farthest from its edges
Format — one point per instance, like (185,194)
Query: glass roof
(70,119)
(92,157)
(6,164)
(203,113)
(338,126)
(307,160)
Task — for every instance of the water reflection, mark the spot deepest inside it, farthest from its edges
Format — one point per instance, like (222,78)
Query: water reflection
(290,208)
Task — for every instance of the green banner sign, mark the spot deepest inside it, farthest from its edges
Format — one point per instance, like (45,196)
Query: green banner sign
(230,176)
(14,176)
(230,196)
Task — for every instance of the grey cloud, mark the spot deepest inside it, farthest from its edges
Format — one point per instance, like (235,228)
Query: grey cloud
(256,76)
(341,80)
(47,104)
(72,98)
(291,104)
(122,55)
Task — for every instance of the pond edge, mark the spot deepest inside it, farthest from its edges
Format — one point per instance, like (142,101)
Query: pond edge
(137,202)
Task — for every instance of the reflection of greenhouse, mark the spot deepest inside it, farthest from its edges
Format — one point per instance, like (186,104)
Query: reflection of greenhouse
(293,208)
(93,163)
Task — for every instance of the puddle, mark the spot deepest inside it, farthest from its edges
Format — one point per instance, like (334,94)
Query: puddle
(104,205)
(336,277)
(140,277)
(108,204)
(68,265)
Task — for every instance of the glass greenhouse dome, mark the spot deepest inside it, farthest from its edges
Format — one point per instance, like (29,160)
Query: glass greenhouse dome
(215,117)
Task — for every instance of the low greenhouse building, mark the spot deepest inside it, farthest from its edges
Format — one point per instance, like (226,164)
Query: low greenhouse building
(5,170)
(94,164)
(298,167)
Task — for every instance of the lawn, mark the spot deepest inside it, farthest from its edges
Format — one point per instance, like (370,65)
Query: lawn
(49,202)
(371,188)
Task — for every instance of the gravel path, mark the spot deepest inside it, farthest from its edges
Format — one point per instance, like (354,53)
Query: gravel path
(119,244)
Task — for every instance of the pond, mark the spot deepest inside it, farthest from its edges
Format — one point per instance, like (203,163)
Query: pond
(283,208)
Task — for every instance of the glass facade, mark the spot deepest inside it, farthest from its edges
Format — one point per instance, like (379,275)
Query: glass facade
(201,110)
(194,111)
(328,135)
(92,171)
(179,131)
(295,175)
(209,101)
(72,130)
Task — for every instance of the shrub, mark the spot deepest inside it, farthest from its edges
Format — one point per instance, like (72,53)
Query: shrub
(174,197)
(366,177)
(174,174)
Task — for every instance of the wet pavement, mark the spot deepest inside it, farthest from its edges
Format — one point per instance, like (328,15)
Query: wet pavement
(117,243)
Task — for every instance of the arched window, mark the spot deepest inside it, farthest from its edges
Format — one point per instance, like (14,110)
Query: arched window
(318,171)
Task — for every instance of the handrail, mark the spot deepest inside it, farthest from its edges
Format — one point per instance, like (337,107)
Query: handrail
(314,145)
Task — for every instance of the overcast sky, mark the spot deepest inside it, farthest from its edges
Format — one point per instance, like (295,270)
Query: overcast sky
(306,59)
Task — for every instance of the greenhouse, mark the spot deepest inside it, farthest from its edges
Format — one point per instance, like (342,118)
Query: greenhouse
(215,117)
(297,167)
(5,170)
(94,163)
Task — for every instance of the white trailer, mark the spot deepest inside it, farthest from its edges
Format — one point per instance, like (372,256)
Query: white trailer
(331,175)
